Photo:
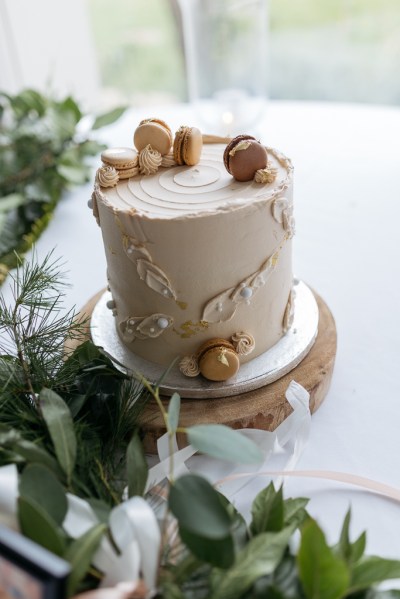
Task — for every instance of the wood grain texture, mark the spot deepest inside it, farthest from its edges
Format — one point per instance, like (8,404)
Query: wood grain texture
(263,408)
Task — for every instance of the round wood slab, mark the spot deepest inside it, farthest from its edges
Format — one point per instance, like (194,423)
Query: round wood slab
(263,408)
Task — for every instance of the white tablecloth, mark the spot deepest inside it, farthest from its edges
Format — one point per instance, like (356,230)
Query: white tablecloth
(347,207)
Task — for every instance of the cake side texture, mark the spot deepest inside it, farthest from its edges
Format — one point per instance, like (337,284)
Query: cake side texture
(193,254)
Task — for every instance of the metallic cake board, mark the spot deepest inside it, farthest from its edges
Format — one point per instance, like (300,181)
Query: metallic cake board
(270,366)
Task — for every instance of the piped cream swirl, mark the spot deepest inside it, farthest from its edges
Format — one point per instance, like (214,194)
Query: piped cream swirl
(189,366)
(265,175)
(149,161)
(243,342)
(168,160)
(107,176)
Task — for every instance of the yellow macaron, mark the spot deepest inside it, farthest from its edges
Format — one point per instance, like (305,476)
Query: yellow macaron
(218,360)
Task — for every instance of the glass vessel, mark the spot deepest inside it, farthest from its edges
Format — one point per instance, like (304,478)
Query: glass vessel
(226,61)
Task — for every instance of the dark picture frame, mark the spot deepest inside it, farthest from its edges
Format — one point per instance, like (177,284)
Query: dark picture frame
(28,571)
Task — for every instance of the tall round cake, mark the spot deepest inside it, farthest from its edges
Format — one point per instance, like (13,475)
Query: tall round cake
(194,255)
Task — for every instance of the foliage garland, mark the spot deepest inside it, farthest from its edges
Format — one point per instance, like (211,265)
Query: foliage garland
(43,152)
(72,425)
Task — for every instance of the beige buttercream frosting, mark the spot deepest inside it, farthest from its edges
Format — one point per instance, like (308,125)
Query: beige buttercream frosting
(149,161)
(168,160)
(189,366)
(244,343)
(265,175)
(211,253)
(107,176)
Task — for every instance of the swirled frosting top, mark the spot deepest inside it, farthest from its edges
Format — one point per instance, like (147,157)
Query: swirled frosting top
(183,191)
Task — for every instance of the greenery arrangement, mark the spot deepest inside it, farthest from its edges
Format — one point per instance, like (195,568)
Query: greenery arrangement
(43,151)
(73,425)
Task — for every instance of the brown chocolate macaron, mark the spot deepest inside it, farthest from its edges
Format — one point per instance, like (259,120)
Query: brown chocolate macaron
(218,360)
(154,132)
(188,144)
(243,156)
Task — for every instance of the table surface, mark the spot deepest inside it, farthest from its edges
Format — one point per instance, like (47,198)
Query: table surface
(347,207)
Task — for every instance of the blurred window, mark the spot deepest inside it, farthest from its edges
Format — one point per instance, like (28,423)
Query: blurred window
(344,50)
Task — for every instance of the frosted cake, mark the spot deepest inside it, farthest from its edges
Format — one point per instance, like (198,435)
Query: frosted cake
(198,263)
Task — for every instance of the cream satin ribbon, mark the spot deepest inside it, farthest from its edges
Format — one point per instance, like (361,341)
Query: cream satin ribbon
(369,484)
(288,440)
(133,527)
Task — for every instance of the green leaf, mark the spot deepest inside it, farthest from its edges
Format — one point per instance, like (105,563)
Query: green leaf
(173,413)
(37,525)
(222,442)
(350,552)
(39,485)
(267,511)
(217,552)
(109,117)
(69,105)
(238,524)
(294,512)
(358,547)
(77,175)
(34,454)
(80,554)
(100,508)
(197,507)
(323,574)
(170,590)
(376,594)
(11,201)
(91,148)
(61,428)
(137,469)
(26,101)
(259,558)
(372,570)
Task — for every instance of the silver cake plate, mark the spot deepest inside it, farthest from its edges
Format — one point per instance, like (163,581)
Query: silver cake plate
(266,368)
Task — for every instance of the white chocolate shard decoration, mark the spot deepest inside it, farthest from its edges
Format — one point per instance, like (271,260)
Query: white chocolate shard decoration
(282,211)
(266,175)
(189,366)
(150,273)
(131,245)
(222,307)
(168,160)
(242,145)
(145,327)
(243,343)
(107,176)
(155,278)
(288,317)
(149,161)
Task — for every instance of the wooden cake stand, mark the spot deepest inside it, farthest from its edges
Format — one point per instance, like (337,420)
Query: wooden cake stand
(263,408)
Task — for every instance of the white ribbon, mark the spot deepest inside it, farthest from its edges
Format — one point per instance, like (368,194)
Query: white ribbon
(133,527)
(8,495)
(134,521)
(286,442)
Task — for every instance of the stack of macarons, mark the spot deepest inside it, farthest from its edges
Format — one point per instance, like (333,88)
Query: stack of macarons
(186,146)
(123,160)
